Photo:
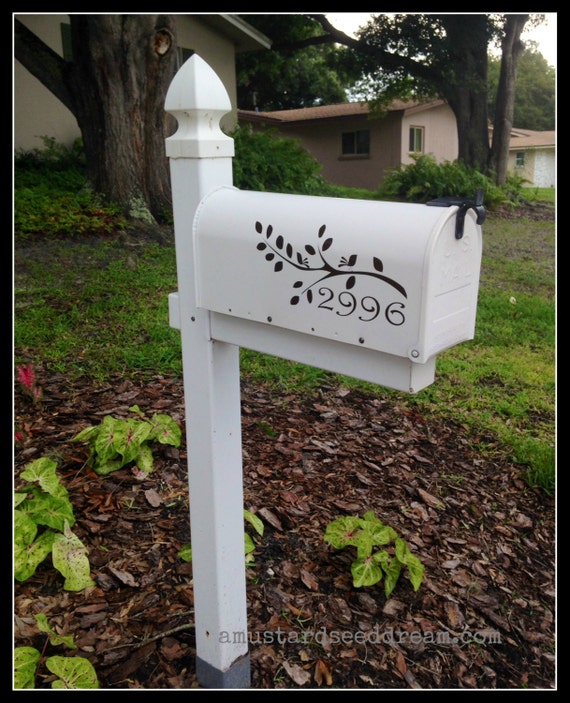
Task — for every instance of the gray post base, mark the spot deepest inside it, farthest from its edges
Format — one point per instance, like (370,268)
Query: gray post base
(237,676)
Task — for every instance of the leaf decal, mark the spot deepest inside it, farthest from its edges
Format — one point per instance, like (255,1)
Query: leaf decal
(261,246)
(289,250)
(378,265)
(258,227)
(300,258)
(310,249)
(270,257)
(327,243)
(269,231)
(278,266)
(351,280)
(279,242)
(297,284)
(322,229)
(294,300)
(352,260)
(310,296)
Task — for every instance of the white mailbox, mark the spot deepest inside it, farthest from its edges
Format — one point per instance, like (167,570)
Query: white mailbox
(372,290)
(396,278)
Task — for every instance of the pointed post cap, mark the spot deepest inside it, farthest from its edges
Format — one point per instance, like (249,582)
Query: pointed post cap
(198,100)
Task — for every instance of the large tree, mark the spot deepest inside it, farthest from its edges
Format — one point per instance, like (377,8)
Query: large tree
(447,56)
(404,55)
(512,48)
(115,87)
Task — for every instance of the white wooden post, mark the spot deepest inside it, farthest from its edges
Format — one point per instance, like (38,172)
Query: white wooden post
(201,159)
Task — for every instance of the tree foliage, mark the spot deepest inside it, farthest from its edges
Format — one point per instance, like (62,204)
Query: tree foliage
(535,97)
(288,78)
(432,55)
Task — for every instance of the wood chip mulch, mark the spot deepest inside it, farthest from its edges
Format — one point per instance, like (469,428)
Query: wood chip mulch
(483,618)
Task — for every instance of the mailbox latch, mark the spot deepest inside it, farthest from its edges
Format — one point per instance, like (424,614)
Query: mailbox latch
(464,205)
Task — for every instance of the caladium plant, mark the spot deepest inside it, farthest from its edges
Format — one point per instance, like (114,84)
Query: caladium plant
(117,442)
(372,564)
(43,518)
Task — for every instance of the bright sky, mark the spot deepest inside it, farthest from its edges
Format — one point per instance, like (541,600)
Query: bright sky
(544,36)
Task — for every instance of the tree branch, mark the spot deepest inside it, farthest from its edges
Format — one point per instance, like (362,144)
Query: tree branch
(43,63)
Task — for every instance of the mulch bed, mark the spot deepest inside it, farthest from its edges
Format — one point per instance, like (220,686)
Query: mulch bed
(483,618)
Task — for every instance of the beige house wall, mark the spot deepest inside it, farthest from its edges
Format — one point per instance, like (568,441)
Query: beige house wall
(38,113)
(440,134)
(323,140)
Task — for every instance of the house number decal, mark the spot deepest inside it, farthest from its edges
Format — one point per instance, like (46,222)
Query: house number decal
(312,260)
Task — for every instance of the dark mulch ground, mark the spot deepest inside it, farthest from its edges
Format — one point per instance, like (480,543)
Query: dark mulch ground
(484,617)
(487,542)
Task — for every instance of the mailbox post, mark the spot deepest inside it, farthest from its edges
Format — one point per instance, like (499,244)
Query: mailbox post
(201,159)
(367,289)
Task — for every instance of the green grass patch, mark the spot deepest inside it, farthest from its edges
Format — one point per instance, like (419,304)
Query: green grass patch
(93,306)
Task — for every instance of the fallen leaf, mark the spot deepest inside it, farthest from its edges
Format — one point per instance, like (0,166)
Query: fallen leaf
(323,672)
(309,580)
(124,576)
(455,617)
(401,663)
(271,518)
(432,501)
(299,675)
(152,497)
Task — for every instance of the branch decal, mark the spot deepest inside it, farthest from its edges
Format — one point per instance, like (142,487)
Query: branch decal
(312,259)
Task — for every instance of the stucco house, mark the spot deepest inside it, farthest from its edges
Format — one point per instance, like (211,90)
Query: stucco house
(532,155)
(38,113)
(355,149)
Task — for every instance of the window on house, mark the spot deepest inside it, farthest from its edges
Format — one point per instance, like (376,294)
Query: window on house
(416,139)
(356,142)
(519,159)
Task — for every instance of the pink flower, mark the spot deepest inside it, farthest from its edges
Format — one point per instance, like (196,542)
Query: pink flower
(18,436)
(27,376)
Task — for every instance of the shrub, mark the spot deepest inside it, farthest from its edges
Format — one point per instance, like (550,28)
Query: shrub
(425,180)
(266,162)
(51,198)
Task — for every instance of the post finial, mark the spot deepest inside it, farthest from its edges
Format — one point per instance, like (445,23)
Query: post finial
(198,99)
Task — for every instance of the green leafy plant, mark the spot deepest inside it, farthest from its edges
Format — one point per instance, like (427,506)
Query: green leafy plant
(43,518)
(72,672)
(425,179)
(51,197)
(371,564)
(249,545)
(116,442)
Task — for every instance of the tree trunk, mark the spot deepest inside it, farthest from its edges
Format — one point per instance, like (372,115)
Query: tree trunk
(115,86)
(466,89)
(512,48)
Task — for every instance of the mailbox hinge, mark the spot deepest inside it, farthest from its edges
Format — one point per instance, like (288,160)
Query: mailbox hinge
(464,205)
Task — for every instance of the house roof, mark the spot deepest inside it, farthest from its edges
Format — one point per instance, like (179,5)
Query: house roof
(520,138)
(528,138)
(244,36)
(323,112)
